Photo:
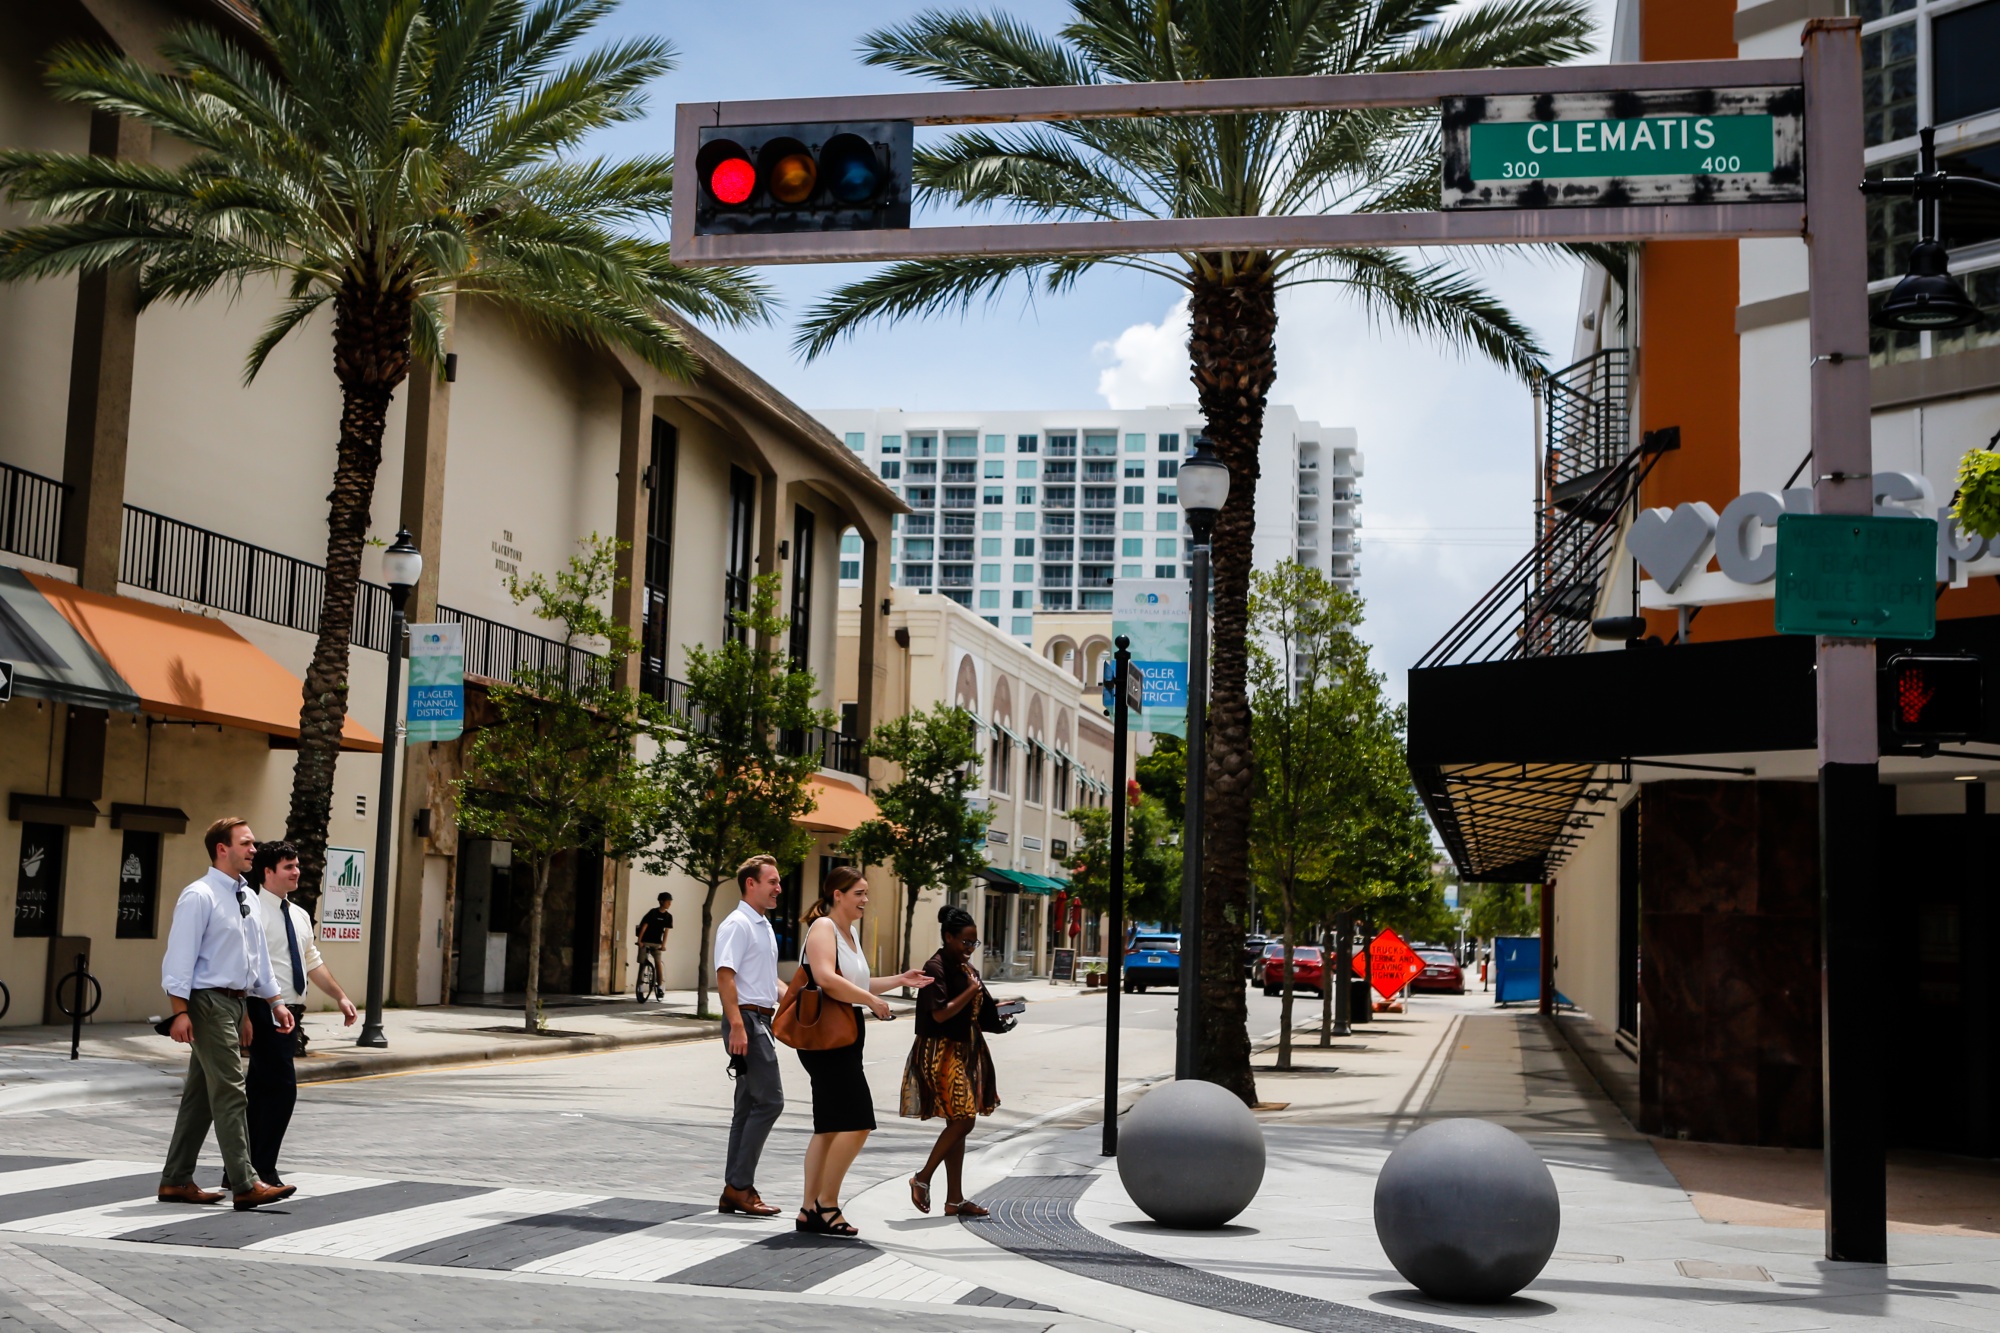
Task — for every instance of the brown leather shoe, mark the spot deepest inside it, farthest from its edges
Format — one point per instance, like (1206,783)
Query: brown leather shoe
(188,1193)
(260,1194)
(744,1201)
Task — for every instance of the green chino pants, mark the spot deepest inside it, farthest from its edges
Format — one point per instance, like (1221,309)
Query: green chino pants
(213,1093)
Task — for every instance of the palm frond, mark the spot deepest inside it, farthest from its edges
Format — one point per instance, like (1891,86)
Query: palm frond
(1433,300)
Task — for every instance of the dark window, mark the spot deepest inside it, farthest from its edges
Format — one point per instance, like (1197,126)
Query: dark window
(38,885)
(1170,467)
(1170,443)
(1962,80)
(1889,84)
(742,530)
(1972,218)
(660,477)
(139,886)
(1024,444)
(1135,495)
(785,917)
(850,719)
(892,469)
(802,586)
(1166,571)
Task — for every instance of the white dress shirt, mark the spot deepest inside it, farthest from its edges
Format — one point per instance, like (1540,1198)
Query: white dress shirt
(747,946)
(213,944)
(272,910)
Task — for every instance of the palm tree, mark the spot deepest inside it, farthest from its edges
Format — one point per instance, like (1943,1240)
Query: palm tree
(378,157)
(1214,166)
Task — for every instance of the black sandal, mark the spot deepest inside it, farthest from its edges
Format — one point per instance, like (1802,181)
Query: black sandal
(840,1228)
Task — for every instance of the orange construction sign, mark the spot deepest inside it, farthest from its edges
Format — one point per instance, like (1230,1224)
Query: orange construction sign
(1396,965)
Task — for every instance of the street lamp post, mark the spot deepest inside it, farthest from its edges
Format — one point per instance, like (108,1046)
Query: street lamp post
(1928,297)
(1204,489)
(1114,947)
(402,566)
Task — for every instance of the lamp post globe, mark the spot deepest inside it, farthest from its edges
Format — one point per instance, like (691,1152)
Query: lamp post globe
(1204,489)
(402,566)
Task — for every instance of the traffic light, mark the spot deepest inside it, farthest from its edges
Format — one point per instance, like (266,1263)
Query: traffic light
(1934,697)
(778,178)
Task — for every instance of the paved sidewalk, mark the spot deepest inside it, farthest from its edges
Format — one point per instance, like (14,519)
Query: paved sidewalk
(1635,1251)
(122,1060)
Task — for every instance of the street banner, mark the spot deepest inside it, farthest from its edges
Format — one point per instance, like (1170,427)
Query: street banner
(340,896)
(1153,613)
(437,683)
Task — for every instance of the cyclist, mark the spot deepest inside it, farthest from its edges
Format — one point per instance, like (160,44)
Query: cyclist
(652,938)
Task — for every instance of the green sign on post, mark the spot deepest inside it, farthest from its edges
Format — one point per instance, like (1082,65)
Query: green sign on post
(1857,576)
(1616,149)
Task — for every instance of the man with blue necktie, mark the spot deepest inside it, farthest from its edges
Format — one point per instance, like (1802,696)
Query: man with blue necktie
(288,932)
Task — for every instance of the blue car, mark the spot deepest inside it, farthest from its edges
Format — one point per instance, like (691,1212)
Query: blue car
(1153,960)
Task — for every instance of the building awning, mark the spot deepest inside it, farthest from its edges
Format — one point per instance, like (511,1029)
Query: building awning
(1010,734)
(1006,881)
(177,664)
(51,660)
(1033,883)
(842,807)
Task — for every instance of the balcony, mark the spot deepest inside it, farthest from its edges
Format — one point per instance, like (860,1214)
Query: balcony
(837,751)
(961,472)
(958,525)
(1060,446)
(1093,581)
(921,497)
(31,512)
(955,576)
(960,497)
(1057,578)
(1059,472)
(1309,492)
(1586,428)
(1058,497)
(1099,525)
(1100,471)
(1104,498)
(1058,525)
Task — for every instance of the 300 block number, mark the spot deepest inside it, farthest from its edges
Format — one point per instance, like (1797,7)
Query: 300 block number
(1519,170)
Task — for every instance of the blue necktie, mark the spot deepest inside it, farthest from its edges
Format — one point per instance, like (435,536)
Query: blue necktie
(292,941)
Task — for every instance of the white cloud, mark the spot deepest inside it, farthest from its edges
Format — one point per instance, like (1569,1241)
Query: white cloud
(1147,364)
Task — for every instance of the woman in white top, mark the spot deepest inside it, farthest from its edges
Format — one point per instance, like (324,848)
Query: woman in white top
(843,1111)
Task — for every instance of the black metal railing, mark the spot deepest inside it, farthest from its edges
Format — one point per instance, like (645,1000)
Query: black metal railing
(502,653)
(1542,607)
(191,564)
(31,513)
(836,750)
(1586,421)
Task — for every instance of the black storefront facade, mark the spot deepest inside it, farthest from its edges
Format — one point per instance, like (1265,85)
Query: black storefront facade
(1666,796)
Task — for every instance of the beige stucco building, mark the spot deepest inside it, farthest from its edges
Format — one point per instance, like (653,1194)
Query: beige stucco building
(161,532)
(1047,751)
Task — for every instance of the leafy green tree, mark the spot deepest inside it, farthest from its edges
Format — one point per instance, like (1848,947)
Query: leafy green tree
(555,771)
(1162,775)
(1496,910)
(1363,159)
(1311,765)
(727,786)
(1152,861)
(374,158)
(928,833)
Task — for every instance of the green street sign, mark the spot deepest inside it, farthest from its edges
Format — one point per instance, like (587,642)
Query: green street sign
(1856,576)
(1583,150)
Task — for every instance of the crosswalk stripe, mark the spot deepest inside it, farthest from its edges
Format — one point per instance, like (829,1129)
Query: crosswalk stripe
(107,1221)
(891,1279)
(644,1256)
(67,1173)
(384,1235)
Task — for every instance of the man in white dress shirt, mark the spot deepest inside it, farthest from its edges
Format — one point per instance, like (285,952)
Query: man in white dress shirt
(273,1084)
(216,960)
(746,979)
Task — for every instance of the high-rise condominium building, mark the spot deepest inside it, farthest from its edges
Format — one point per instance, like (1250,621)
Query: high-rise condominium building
(1024,511)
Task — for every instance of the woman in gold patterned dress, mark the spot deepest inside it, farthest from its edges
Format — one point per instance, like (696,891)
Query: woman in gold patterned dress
(950,1073)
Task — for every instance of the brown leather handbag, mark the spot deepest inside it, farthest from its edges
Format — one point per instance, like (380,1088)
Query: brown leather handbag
(808,1021)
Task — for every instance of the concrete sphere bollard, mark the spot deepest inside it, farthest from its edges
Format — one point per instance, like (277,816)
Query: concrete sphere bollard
(1191,1155)
(1466,1211)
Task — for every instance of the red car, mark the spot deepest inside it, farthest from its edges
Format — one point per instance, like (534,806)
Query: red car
(1306,969)
(1441,973)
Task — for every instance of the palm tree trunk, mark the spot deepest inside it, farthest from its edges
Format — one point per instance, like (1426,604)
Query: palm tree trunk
(1232,346)
(532,1002)
(371,357)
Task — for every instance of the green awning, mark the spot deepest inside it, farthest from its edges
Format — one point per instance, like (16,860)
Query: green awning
(1033,883)
(1007,881)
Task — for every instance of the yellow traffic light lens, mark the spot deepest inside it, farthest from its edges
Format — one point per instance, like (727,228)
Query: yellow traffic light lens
(793,178)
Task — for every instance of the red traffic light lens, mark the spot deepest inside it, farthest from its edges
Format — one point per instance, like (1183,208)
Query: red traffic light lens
(732,180)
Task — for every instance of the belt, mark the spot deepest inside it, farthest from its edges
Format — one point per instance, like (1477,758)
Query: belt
(757,1009)
(224,990)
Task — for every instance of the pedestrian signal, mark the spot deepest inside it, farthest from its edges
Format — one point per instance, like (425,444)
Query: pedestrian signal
(1934,697)
(780,178)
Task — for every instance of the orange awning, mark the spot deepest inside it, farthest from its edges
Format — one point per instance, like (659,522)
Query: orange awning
(842,807)
(190,666)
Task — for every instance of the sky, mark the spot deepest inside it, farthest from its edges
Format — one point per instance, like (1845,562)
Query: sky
(1448,441)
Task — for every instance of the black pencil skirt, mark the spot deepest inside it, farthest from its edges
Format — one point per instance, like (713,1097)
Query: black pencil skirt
(840,1089)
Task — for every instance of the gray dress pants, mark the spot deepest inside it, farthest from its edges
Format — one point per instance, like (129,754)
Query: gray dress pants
(760,1096)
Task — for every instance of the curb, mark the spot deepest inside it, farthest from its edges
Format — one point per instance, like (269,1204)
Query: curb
(361,1066)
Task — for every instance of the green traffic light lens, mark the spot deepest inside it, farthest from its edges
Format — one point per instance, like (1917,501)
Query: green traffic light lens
(852,171)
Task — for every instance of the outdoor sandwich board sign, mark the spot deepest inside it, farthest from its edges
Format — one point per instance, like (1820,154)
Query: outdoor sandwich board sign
(6,681)
(1857,576)
(1615,149)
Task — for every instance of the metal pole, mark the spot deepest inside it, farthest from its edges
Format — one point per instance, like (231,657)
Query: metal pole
(385,828)
(1114,947)
(1851,1038)
(1191,839)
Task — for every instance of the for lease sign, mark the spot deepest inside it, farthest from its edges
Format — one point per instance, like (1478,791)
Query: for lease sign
(1715,145)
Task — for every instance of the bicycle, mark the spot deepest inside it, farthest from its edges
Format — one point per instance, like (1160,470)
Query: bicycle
(649,986)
